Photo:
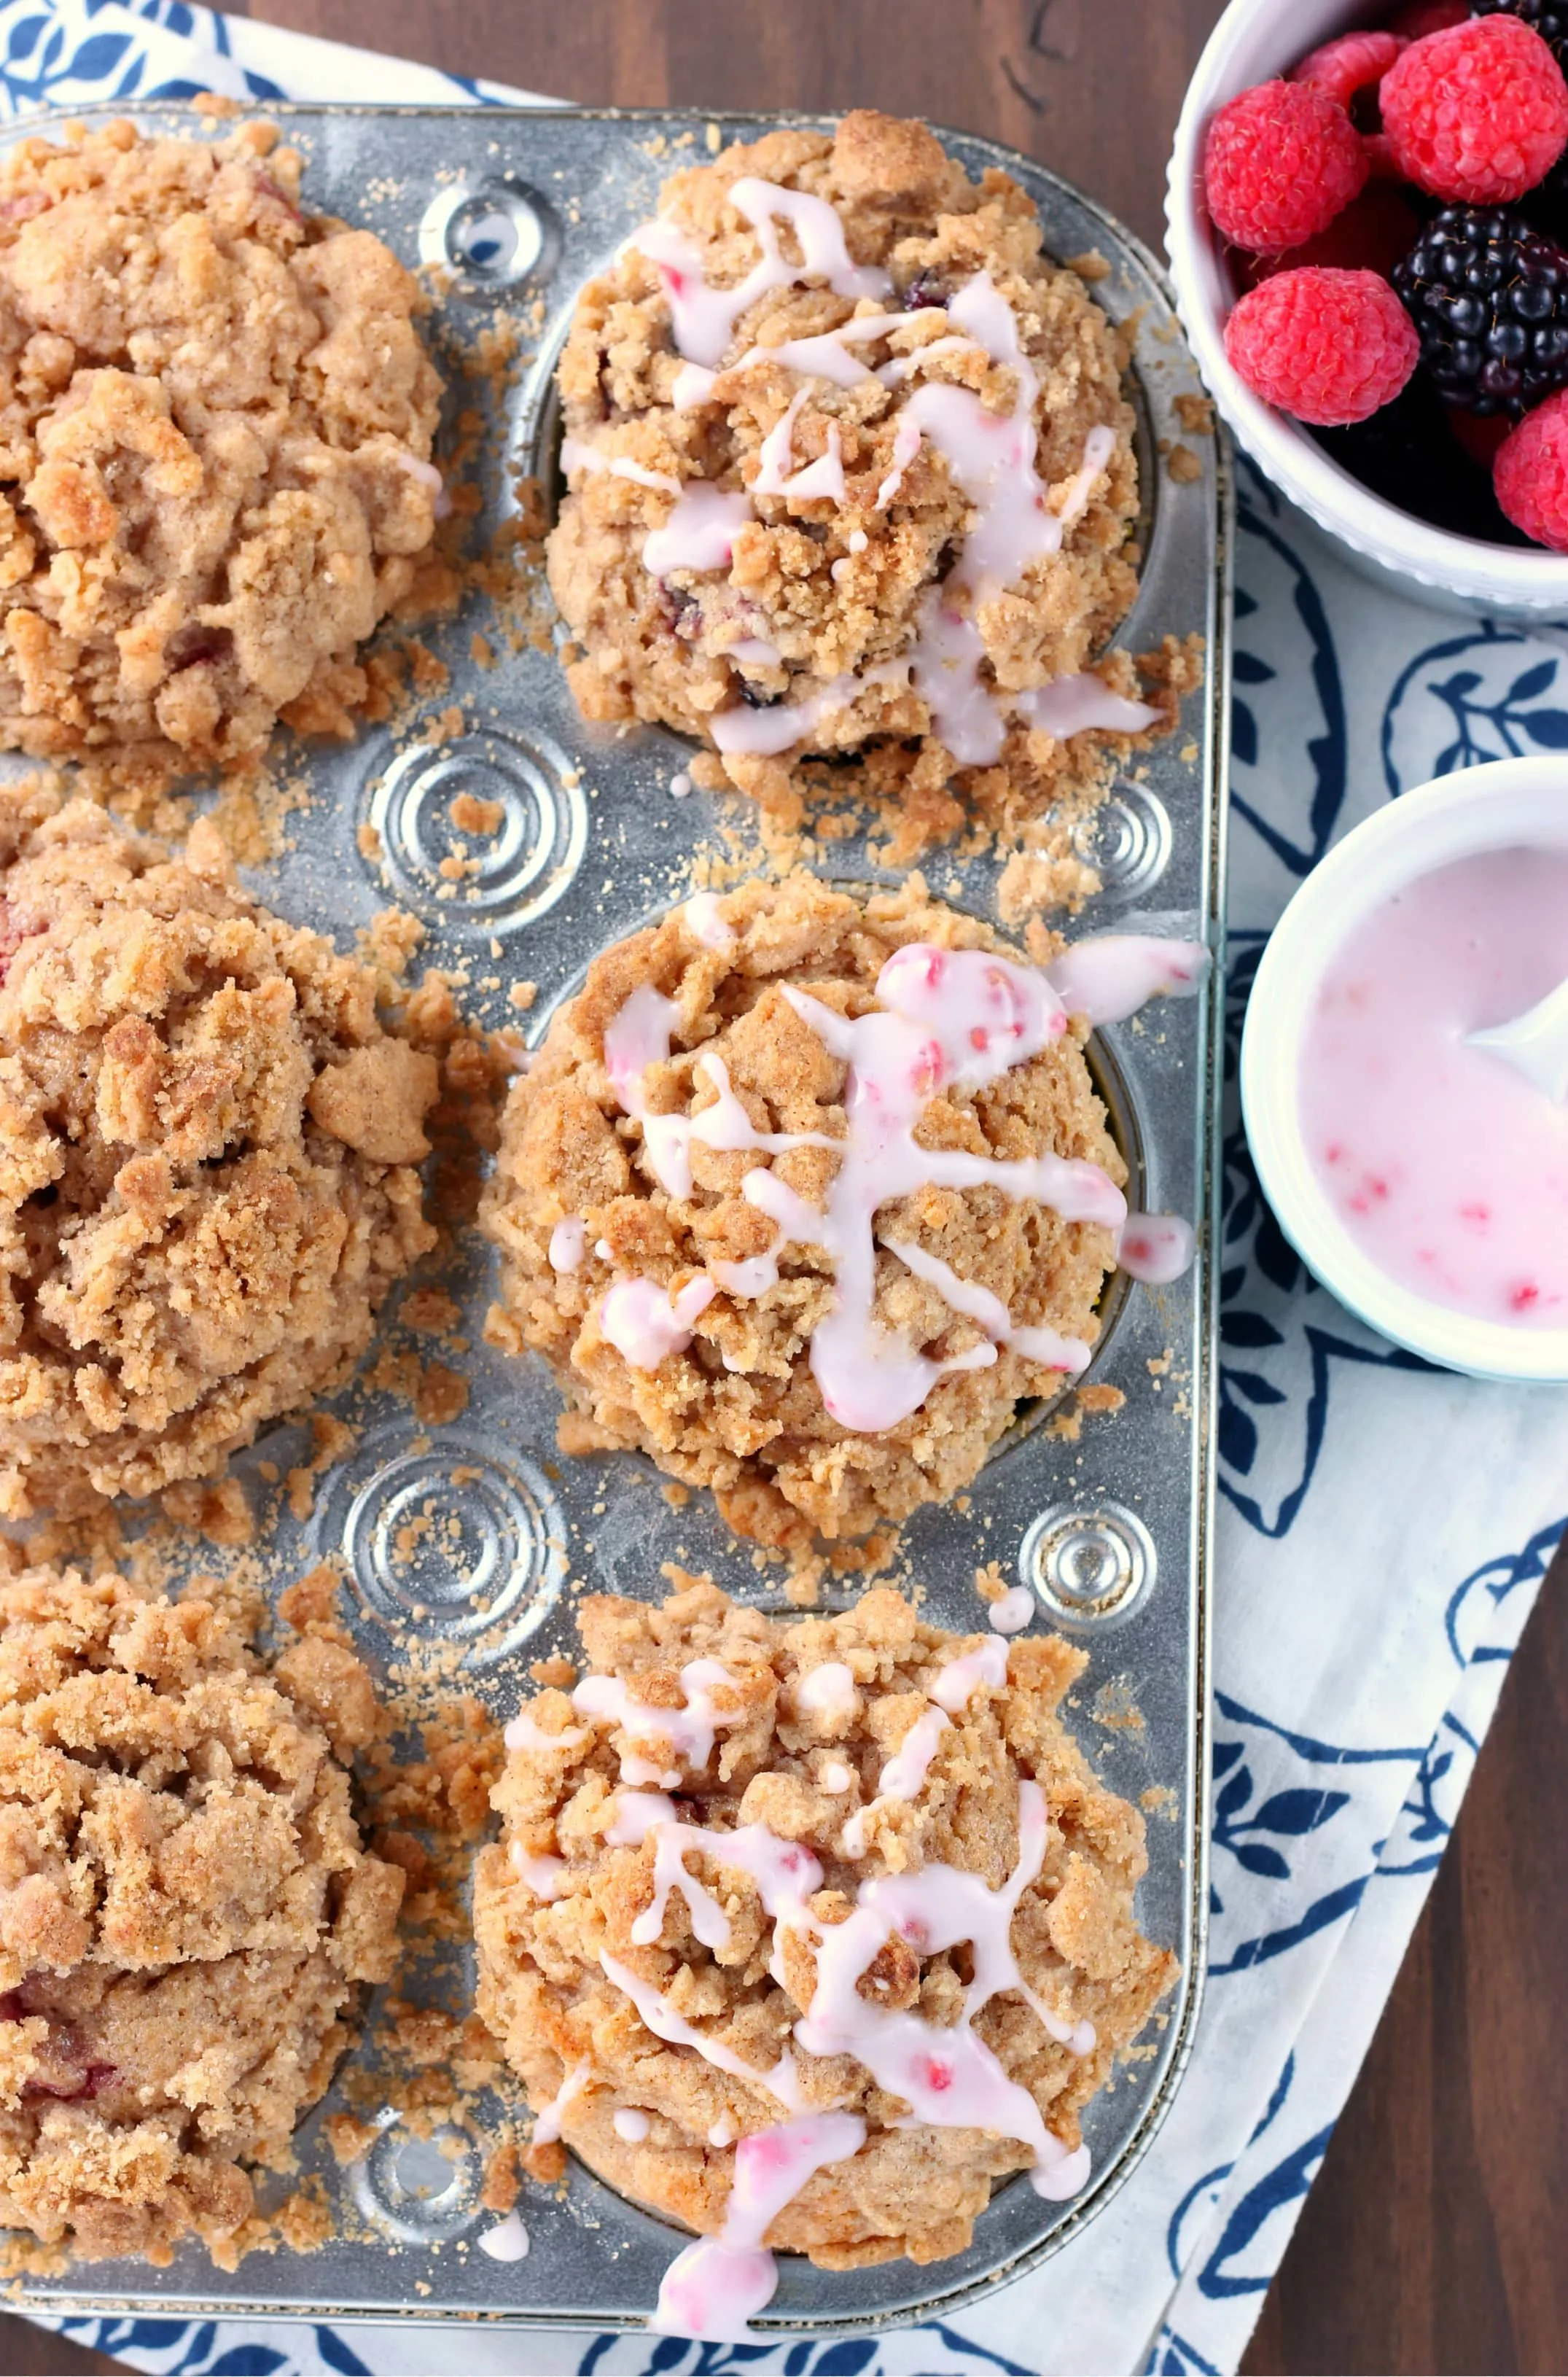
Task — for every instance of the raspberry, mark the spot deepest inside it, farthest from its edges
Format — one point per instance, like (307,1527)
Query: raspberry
(1530,474)
(1328,347)
(1278,164)
(1479,112)
(1549,19)
(1342,68)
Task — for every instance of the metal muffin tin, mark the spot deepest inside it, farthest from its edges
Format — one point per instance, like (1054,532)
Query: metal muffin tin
(1114,1532)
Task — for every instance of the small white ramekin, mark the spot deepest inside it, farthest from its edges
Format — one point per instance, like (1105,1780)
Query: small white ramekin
(1505,806)
(1254,41)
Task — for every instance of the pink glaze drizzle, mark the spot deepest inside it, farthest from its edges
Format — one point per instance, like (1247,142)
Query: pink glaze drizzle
(646,1324)
(959,1018)
(702,318)
(637,1036)
(700,532)
(1046,1346)
(1013,1611)
(712,2288)
(703,918)
(635,1814)
(1071,705)
(1109,977)
(568,1244)
(1155,1247)
(906,445)
(656,2014)
(783,1872)
(506,2241)
(1098,447)
(547,2123)
(763,734)
(958,1682)
(827,1691)
(956,1017)
(524,1733)
(900,1779)
(577,455)
(541,1874)
(689,1731)
(990,455)
(946,2075)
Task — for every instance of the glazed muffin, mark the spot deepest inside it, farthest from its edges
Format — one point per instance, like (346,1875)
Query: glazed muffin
(216,420)
(758,1874)
(186,1912)
(801,1196)
(206,1154)
(848,463)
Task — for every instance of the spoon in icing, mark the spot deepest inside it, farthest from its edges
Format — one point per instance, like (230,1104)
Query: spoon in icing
(1535,1043)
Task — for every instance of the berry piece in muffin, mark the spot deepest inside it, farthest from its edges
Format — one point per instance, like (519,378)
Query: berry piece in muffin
(186,1914)
(206,1154)
(807,1933)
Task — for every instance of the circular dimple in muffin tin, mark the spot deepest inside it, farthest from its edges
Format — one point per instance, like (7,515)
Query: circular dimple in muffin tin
(1091,1563)
(497,881)
(1126,839)
(448,1533)
(421,2191)
(492,233)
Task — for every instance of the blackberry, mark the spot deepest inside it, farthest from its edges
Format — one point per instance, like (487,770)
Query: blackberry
(1489,294)
(1547,18)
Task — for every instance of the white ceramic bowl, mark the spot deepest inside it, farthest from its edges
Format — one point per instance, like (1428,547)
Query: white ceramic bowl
(1509,804)
(1254,41)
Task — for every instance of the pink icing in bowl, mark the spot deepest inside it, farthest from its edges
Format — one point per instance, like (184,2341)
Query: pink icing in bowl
(1422,1179)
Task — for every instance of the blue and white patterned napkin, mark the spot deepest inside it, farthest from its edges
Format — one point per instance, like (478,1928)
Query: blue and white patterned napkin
(1384,1526)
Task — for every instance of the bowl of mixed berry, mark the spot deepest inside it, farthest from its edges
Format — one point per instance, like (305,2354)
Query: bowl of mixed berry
(1368,227)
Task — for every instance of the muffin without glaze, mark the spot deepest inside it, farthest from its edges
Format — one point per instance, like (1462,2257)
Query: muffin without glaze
(216,419)
(580,1211)
(185,1909)
(803,630)
(568,1886)
(206,1143)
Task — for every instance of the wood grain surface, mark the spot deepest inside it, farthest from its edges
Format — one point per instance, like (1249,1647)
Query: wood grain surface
(1434,2239)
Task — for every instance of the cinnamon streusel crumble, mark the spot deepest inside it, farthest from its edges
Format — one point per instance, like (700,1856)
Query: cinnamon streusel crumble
(186,1914)
(216,420)
(207,1153)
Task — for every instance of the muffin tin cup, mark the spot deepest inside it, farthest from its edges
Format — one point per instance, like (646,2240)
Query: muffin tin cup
(1112,1532)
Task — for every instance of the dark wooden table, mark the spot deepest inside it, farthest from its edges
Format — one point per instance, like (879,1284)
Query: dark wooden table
(1434,2238)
